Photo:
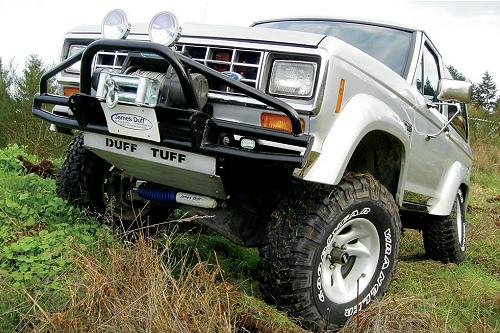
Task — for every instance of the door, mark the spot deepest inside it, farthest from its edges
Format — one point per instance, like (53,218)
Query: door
(429,159)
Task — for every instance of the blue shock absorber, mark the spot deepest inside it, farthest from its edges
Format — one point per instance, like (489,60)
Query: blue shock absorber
(156,195)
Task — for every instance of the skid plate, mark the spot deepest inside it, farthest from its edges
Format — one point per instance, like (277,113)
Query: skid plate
(171,167)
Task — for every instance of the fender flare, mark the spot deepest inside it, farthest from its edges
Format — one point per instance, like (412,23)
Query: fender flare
(360,116)
(456,175)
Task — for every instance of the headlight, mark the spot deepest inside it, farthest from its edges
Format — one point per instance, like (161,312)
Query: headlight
(115,25)
(164,29)
(292,78)
(74,49)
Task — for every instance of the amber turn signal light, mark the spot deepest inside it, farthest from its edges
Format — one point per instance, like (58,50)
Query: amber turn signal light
(340,96)
(277,122)
(70,91)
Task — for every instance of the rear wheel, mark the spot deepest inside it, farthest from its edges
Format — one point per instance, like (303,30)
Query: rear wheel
(331,251)
(444,236)
(90,182)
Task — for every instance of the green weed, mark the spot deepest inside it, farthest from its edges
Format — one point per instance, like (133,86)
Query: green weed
(39,232)
(43,241)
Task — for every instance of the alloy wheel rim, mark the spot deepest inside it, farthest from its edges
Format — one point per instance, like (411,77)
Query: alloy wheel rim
(360,240)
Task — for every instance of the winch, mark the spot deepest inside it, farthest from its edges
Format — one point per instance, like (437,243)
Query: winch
(147,88)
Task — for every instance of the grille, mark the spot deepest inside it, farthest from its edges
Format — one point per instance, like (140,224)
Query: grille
(109,59)
(247,63)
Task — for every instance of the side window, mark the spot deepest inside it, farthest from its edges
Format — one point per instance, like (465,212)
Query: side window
(418,76)
(431,75)
(460,121)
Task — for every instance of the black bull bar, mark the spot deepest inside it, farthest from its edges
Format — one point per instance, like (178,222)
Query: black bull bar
(204,132)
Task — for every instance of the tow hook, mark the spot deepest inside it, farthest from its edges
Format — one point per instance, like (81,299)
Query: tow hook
(112,94)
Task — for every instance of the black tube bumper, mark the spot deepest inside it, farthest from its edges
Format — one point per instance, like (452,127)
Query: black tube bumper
(213,128)
(206,132)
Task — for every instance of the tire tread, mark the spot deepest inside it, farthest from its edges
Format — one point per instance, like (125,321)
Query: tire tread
(79,175)
(440,236)
(286,277)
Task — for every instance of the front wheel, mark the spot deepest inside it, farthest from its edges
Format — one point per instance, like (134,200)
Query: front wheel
(88,181)
(331,251)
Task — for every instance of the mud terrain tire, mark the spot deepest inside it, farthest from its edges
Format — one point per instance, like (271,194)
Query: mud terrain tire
(444,236)
(80,178)
(83,180)
(300,235)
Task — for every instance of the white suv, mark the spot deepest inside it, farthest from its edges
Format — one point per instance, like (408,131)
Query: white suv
(307,138)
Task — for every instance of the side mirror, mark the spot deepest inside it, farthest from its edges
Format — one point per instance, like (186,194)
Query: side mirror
(444,128)
(454,90)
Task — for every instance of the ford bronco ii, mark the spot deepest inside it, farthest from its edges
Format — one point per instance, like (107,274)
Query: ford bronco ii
(316,140)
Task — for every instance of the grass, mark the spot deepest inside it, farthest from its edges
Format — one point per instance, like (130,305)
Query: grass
(465,297)
(62,270)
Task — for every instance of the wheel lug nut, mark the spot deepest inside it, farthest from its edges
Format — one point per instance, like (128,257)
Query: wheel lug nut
(339,256)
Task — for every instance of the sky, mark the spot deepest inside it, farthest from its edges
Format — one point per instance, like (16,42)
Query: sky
(467,33)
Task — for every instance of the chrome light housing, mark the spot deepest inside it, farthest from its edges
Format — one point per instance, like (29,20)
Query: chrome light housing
(115,25)
(293,78)
(164,29)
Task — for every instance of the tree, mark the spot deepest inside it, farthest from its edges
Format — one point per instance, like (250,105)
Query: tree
(456,74)
(476,96)
(485,93)
(28,84)
(7,75)
(5,100)
(21,126)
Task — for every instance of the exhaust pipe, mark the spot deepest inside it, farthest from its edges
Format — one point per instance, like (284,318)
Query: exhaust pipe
(178,197)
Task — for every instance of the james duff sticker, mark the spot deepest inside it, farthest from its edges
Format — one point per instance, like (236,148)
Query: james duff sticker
(131,121)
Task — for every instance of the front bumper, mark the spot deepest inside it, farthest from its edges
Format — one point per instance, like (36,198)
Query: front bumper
(188,129)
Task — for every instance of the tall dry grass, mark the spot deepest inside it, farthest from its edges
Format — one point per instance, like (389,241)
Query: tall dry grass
(486,157)
(402,315)
(137,288)
(140,287)
(484,129)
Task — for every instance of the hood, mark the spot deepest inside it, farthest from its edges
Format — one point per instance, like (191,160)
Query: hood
(226,32)
(251,34)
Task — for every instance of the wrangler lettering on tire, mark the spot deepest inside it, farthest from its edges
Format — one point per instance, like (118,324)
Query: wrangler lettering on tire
(323,242)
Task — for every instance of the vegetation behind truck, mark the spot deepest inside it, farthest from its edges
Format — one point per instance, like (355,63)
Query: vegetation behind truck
(316,140)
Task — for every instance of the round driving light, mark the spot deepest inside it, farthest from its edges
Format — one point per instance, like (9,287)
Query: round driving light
(115,25)
(164,29)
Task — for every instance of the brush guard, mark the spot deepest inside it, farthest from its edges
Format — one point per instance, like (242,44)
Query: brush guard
(205,132)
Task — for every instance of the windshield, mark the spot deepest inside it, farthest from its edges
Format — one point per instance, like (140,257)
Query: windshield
(390,46)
